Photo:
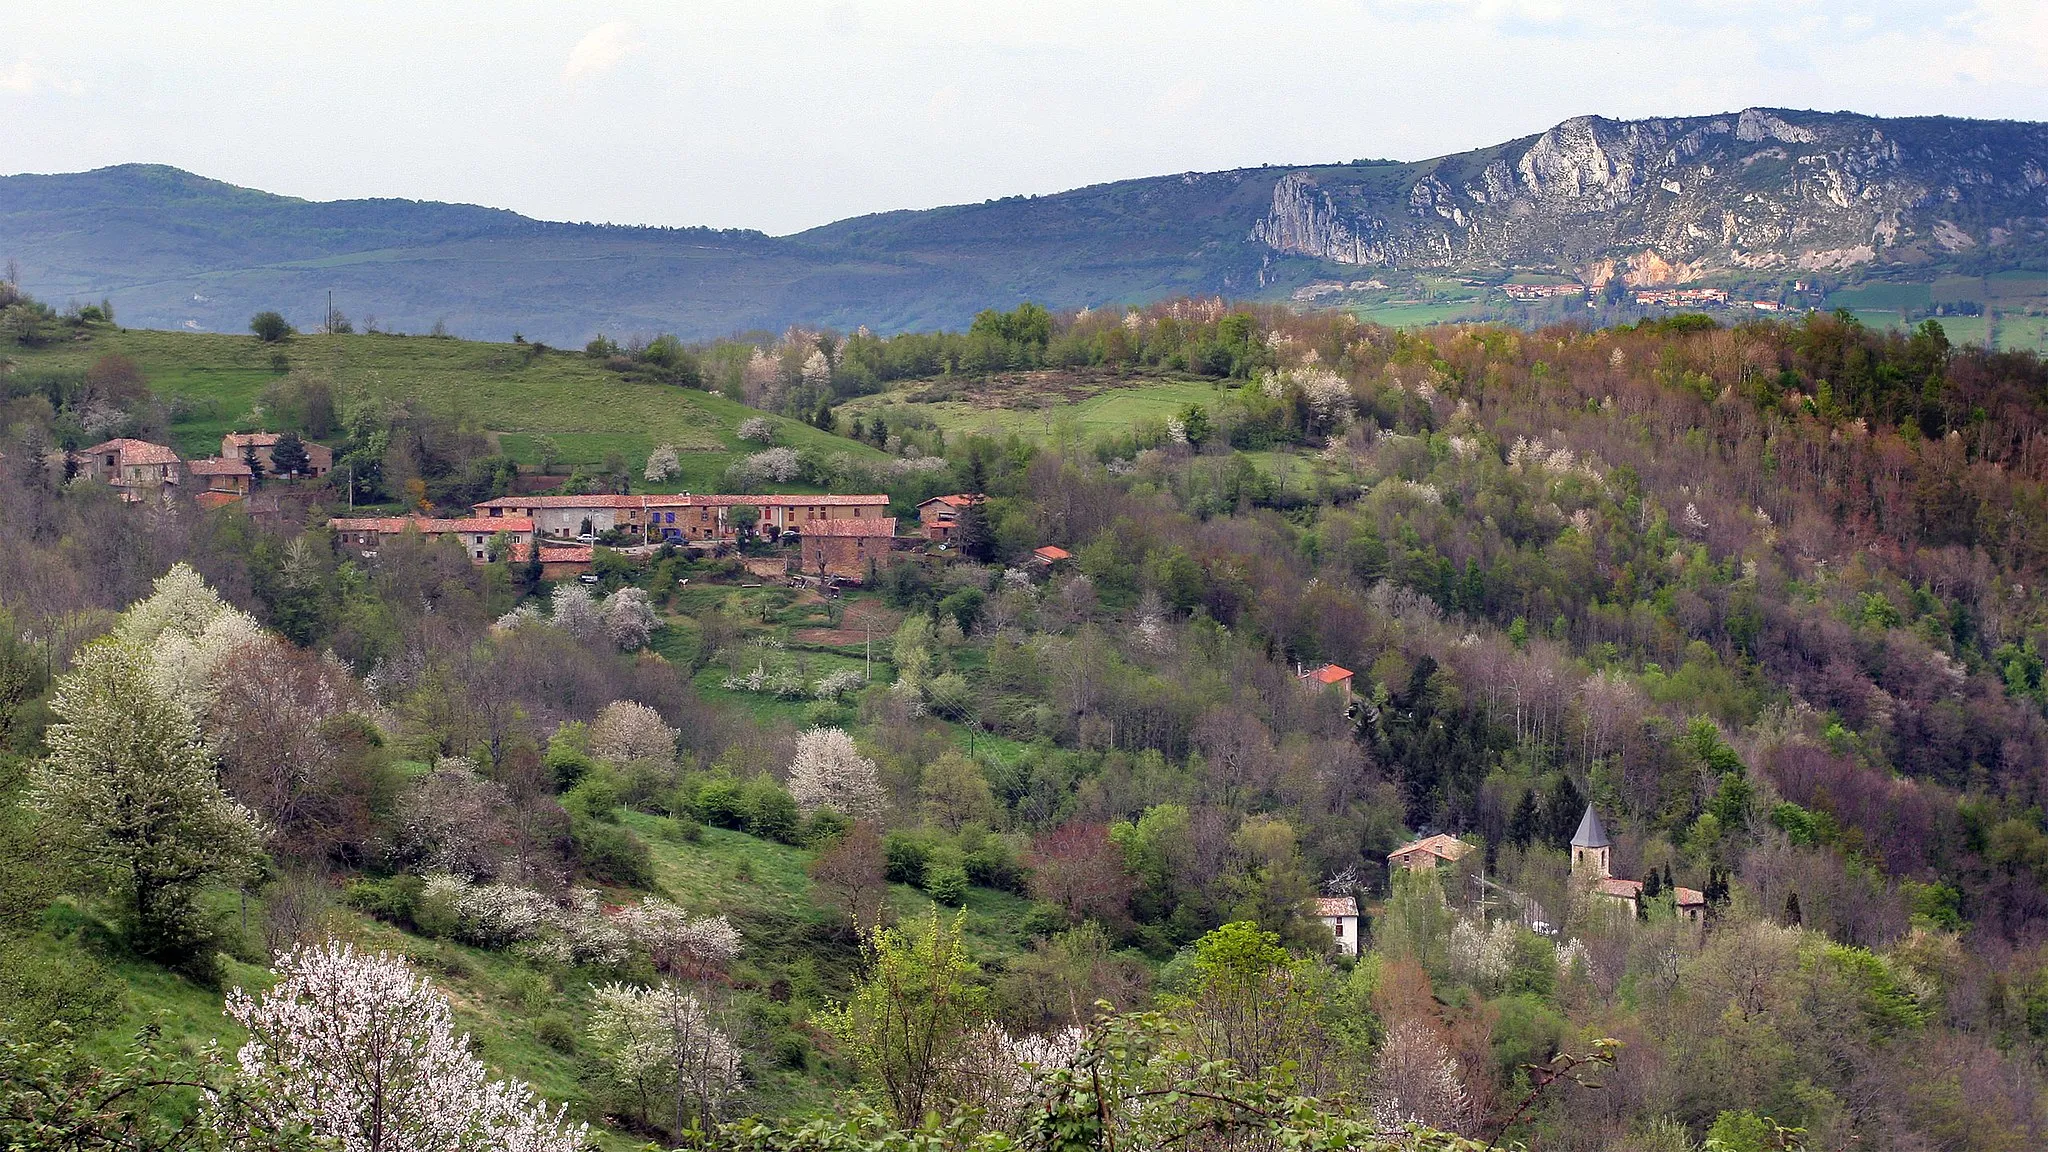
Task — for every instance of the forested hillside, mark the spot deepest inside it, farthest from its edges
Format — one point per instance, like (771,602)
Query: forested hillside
(1011,850)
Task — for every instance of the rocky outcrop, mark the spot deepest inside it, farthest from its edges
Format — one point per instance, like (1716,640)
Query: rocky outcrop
(1673,200)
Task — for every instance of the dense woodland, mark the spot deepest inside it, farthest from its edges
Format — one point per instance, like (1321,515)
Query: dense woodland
(1770,596)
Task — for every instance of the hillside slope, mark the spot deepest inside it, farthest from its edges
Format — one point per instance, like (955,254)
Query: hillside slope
(1760,196)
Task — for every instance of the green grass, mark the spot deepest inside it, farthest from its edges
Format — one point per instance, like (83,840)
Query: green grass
(1416,315)
(217,382)
(1104,413)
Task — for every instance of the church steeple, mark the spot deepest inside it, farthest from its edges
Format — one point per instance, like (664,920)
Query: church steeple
(1590,848)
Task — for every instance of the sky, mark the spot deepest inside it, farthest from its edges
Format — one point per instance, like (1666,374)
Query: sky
(782,115)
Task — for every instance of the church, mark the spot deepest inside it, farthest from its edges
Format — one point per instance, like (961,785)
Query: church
(1593,866)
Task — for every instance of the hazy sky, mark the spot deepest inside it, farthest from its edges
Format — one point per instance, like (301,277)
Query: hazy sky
(784,115)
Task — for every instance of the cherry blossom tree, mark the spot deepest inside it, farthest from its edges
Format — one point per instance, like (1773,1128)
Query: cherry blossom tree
(627,730)
(663,463)
(573,610)
(695,948)
(189,632)
(130,790)
(629,618)
(829,772)
(660,1043)
(364,1052)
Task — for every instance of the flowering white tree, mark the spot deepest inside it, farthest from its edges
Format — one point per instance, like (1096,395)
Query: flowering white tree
(829,772)
(660,1044)
(663,463)
(627,730)
(452,820)
(757,429)
(131,791)
(629,618)
(573,610)
(364,1053)
(780,465)
(188,632)
(678,943)
(817,372)
(1418,1079)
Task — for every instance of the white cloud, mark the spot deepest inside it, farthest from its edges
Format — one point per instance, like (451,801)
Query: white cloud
(600,51)
(27,76)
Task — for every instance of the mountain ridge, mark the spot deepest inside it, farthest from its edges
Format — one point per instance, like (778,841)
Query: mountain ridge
(1758,194)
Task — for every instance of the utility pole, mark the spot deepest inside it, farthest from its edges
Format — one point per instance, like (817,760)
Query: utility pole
(868,624)
(330,311)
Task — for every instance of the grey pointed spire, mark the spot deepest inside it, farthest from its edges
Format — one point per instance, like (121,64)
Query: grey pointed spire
(1590,833)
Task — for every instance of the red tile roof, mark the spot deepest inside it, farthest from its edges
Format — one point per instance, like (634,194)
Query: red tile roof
(1626,889)
(880,526)
(251,439)
(956,500)
(1442,846)
(594,500)
(430,525)
(218,466)
(1336,906)
(1690,897)
(1330,674)
(1052,552)
(134,452)
(765,500)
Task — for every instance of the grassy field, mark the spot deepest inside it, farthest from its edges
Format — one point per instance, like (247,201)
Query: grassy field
(1040,419)
(510,390)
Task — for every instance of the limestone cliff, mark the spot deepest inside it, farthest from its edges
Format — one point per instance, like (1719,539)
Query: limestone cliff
(1672,200)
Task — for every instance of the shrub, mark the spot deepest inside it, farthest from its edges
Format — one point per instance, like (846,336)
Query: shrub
(610,853)
(993,865)
(770,812)
(721,803)
(393,901)
(556,1031)
(906,854)
(946,883)
(269,327)
(595,798)
(824,826)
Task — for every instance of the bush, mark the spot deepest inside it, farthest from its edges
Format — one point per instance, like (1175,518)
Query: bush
(556,1031)
(992,865)
(947,883)
(269,327)
(568,763)
(792,1052)
(906,854)
(721,803)
(825,826)
(769,810)
(1045,920)
(394,901)
(595,798)
(611,854)
(684,829)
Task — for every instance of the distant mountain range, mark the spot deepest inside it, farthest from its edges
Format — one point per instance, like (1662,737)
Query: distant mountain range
(1761,196)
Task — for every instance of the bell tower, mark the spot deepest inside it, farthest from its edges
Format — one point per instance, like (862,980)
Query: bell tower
(1590,848)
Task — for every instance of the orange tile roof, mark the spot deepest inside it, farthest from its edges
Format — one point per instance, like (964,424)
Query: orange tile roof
(134,451)
(594,500)
(956,500)
(1690,897)
(251,439)
(1331,674)
(218,466)
(430,525)
(1442,846)
(880,526)
(1626,889)
(765,500)
(1336,906)
(1052,552)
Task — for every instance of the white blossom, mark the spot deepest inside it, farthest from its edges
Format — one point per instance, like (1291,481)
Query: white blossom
(629,619)
(364,1052)
(677,941)
(757,429)
(828,772)
(839,683)
(573,610)
(627,730)
(189,632)
(1483,954)
(517,618)
(663,463)
(661,1043)
(1418,1080)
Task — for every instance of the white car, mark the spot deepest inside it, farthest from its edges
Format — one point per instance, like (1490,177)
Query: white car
(586,538)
